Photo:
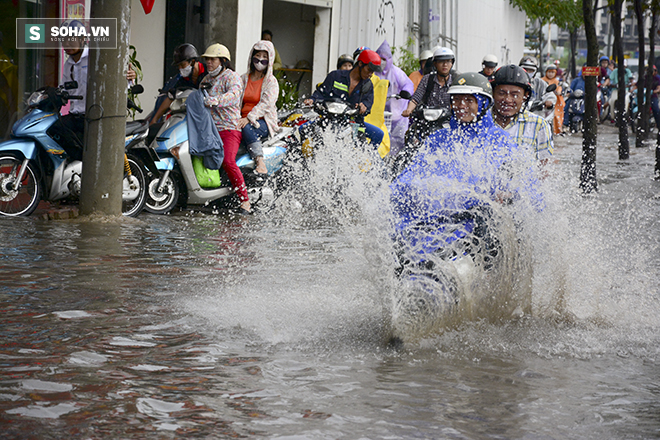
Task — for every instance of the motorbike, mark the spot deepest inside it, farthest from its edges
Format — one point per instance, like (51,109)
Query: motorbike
(424,121)
(176,181)
(34,166)
(538,107)
(576,111)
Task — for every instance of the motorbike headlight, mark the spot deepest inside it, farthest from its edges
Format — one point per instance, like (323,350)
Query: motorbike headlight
(337,108)
(432,114)
(178,104)
(35,98)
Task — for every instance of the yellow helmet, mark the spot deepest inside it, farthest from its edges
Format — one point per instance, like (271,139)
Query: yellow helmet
(217,50)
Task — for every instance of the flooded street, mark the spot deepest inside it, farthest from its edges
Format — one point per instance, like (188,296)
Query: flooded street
(197,325)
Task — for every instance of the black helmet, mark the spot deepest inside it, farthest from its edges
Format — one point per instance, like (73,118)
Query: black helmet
(512,75)
(185,52)
(345,58)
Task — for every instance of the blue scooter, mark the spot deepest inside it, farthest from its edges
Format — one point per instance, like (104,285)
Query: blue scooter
(35,166)
(177,181)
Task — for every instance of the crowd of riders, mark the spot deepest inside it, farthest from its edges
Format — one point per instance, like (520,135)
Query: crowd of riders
(244,109)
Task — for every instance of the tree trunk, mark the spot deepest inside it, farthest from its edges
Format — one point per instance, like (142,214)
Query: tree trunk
(588,182)
(649,69)
(541,46)
(573,33)
(103,158)
(624,146)
(642,106)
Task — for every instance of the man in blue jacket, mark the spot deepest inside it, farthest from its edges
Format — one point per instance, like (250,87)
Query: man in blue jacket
(355,88)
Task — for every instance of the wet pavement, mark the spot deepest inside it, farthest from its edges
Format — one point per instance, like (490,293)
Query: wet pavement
(203,325)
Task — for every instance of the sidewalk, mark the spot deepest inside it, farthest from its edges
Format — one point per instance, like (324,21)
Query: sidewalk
(55,211)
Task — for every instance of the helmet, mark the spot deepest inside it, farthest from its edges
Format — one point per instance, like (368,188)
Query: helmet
(512,75)
(345,58)
(372,59)
(489,60)
(529,62)
(217,50)
(425,55)
(471,83)
(550,67)
(443,53)
(184,52)
(603,58)
(357,51)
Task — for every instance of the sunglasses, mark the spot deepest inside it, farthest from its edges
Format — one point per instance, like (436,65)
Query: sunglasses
(256,60)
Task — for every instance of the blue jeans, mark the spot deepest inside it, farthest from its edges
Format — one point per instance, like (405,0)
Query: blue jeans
(374,133)
(252,137)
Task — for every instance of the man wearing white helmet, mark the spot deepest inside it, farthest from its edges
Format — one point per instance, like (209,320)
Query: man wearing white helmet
(433,89)
(424,62)
(488,64)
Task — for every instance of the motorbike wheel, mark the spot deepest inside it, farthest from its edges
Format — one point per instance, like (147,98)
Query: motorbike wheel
(24,200)
(162,202)
(134,187)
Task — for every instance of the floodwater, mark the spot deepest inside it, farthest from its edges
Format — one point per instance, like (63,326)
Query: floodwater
(203,325)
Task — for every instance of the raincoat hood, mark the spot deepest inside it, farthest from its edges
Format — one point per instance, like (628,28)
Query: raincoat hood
(385,53)
(268,47)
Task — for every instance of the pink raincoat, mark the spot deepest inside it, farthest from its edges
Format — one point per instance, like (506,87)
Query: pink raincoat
(270,90)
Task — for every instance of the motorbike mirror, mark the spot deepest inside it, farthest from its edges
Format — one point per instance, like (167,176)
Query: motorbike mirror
(70,85)
(551,88)
(404,94)
(137,89)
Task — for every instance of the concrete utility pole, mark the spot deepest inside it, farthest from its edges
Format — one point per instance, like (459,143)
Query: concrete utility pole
(103,158)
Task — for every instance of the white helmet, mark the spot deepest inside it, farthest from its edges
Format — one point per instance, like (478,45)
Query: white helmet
(443,53)
(217,50)
(489,60)
(425,55)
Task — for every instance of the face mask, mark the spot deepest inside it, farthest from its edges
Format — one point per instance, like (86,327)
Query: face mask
(216,71)
(259,64)
(186,71)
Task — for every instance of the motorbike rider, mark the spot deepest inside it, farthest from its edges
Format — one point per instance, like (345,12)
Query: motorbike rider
(75,69)
(604,77)
(353,87)
(345,62)
(399,82)
(551,78)
(433,89)
(417,75)
(191,73)
(461,165)
(576,84)
(512,89)
(488,64)
(260,93)
(530,65)
(224,100)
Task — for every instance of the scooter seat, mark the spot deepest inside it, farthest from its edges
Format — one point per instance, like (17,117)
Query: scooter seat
(134,127)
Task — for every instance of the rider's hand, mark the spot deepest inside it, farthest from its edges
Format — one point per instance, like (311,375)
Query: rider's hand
(131,75)
(308,101)
(406,113)
(548,104)
(243,122)
(362,108)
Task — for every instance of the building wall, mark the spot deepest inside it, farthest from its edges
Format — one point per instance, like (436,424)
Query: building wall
(488,27)
(370,22)
(148,37)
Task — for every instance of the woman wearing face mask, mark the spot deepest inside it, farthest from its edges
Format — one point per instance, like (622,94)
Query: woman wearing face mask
(259,110)
(191,73)
(224,99)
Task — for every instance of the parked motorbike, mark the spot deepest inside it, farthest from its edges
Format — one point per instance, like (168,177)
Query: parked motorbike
(34,166)
(176,181)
